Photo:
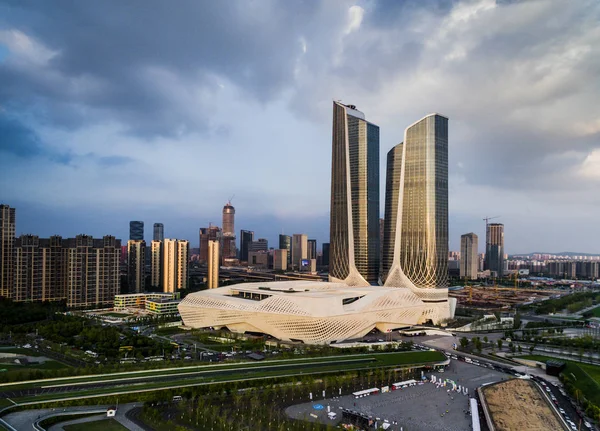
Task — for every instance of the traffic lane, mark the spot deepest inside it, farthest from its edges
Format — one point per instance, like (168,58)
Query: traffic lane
(205,374)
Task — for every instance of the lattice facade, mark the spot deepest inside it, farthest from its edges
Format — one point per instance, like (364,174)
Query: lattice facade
(311,312)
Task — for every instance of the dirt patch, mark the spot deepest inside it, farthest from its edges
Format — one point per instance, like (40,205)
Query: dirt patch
(518,405)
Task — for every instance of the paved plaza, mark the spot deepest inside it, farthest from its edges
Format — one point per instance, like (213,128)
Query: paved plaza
(417,408)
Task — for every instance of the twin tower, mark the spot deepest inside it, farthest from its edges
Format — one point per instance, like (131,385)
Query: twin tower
(415,231)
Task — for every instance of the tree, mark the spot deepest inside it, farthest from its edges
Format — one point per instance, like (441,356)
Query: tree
(485,339)
(520,349)
(464,342)
(499,344)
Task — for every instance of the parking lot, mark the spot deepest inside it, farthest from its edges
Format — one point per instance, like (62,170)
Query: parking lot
(421,407)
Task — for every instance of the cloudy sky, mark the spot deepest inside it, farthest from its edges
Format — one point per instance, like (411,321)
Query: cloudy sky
(113,111)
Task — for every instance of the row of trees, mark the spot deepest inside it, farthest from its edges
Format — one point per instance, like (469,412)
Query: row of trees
(572,303)
(233,407)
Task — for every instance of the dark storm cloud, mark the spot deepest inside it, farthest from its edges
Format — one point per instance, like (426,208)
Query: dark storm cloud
(133,62)
(19,140)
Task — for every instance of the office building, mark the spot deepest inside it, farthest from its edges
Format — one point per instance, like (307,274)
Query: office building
(494,249)
(285,243)
(246,237)
(354,198)
(280,260)
(210,233)
(7,249)
(138,300)
(229,249)
(258,259)
(260,245)
(136,230)
(311,249)
(156,263)
(158,233)
(299,249)
(175,257)
(92,270)
(136,265)
(325,258)
(469,258)
(213,265)
(417,205)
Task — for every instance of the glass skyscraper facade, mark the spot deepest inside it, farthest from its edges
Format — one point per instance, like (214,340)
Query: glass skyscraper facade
(392,191)
(285,243)
(354,214)
(158,233)
(246,237)
(417,187)
(494,249)
(136,230)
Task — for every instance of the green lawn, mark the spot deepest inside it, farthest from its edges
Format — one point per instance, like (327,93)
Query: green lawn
(587,376)
(595,311)
(261,370)
(48,365)
(102,425)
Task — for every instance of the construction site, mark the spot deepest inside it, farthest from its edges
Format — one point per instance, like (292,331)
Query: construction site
(495,297)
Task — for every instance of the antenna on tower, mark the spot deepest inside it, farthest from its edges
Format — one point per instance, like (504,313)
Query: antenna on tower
(231,198)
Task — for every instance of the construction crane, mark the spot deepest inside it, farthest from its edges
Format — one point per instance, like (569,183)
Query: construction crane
(487,219)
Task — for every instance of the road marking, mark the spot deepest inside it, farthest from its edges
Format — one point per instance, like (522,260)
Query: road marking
(11,401)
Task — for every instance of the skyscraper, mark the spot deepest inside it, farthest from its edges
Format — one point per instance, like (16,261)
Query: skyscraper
(175,256)
(354,198)
(136,265)
(299,249)
(136,230)
(229,251)
(156,263)
(246,237)
(312,249)
(213,265)
(159,232)
(7,245)
(416,219)
(469,259)
(325,259)
(285,243)
(494,249)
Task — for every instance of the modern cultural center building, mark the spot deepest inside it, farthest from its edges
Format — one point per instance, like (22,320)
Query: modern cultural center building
(353,302)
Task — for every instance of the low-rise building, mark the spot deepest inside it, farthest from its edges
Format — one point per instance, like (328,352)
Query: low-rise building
(138,300)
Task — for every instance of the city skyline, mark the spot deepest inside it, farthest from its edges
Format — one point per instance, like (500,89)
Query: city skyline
(129,117)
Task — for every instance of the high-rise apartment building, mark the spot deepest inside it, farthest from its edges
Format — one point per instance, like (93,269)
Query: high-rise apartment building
(311,249)
(285,243)
(469,257)
(354,198)
(28,269)
(136,230)
(156,263)
(213,265)
(158,233)
(280,260)
(92,270)
(229,250)
(175,257)
(246,237)
(299,249)
(136,265)
(7,246)
(494,249)
(416,218)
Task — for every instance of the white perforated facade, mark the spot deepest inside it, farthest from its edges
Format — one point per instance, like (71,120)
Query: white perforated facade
(311,312)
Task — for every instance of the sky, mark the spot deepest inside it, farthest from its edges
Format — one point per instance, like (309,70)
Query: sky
(114,111)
